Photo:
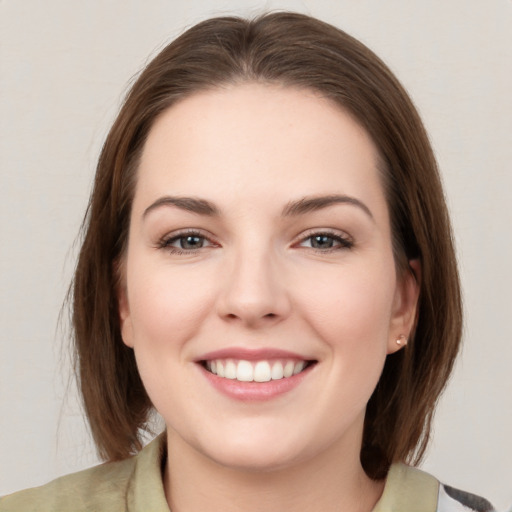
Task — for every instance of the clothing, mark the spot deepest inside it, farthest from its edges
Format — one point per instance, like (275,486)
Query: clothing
(135,485)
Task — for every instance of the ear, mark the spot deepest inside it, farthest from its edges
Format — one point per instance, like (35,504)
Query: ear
(125,320)
(405,307)
(123,306)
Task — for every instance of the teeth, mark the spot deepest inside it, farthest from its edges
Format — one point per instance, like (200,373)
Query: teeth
(257,371)
(277,371)
(262,372)
(298,367)
(288,369)
(244,371)
(230,370)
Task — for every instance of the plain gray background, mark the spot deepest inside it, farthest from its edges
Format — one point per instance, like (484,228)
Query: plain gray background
(65,66)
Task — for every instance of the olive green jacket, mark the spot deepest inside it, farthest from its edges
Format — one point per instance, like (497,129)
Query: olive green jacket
(135,485)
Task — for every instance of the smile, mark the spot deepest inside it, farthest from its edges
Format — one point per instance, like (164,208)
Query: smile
(255,371)
(255,375)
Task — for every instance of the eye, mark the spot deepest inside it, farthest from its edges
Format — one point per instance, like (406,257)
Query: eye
(187,242)
(326,242)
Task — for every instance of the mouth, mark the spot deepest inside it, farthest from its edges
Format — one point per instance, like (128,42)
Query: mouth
(255,375)
(264,370)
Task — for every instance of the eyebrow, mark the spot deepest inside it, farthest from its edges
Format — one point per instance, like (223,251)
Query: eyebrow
(308,204)
(293,208)
(190,204)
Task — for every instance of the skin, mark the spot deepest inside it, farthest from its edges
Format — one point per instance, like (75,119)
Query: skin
(260,280)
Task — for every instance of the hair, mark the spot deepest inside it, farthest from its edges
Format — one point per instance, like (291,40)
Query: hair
(291,50)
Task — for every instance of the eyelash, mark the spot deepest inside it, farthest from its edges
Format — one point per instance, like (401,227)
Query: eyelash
(165,242)
(344,242)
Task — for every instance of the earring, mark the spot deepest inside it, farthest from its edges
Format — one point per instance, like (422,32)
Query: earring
(401,340)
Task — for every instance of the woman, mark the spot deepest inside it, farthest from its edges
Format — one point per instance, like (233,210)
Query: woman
(268,263)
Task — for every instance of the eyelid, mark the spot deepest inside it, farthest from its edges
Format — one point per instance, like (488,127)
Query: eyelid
(344,238)
(165,241)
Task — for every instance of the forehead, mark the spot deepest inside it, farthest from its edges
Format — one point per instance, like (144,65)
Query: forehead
(257,140)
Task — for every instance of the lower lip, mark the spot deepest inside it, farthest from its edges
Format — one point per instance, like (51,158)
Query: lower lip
(255,391)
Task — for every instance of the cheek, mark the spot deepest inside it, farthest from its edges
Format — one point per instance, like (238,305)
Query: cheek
(167,308)
(351,307)
(351,315)
(167,303)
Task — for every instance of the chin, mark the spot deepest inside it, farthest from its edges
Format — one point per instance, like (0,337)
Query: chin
(255,460)
(254,453)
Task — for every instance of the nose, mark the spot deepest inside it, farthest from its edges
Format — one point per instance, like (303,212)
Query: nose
(254,293)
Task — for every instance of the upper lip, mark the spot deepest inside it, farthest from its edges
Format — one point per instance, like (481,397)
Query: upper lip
(247,354)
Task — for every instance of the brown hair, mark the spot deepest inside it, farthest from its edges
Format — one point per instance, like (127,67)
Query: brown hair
(298,51)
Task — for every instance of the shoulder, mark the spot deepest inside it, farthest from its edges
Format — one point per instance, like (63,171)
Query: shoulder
(410,488)
(93,489)
(112,487)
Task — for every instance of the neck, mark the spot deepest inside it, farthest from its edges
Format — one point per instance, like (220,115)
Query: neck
(331,481)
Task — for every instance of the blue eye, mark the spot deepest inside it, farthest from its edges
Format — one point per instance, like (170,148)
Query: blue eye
(189,242)
(326,242)
(322,242)
(185,242)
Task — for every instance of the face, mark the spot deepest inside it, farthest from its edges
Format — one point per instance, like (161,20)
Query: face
(261,296)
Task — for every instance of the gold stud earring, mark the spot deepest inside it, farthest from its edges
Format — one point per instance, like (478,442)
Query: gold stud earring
(401,340)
